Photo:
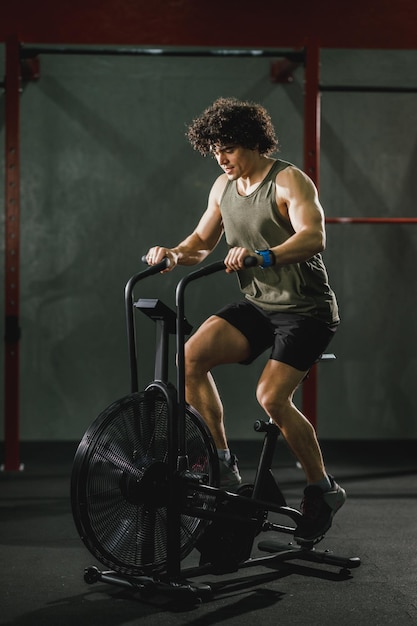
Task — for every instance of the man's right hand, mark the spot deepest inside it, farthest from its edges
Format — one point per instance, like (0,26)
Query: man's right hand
(158,253)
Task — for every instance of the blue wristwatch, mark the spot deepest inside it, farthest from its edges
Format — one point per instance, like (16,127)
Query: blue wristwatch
(267,256)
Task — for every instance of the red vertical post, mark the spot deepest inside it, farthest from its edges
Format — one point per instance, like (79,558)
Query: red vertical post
(312,168)
(12,257)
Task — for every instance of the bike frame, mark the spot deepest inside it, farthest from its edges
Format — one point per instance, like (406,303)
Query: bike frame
(177,452)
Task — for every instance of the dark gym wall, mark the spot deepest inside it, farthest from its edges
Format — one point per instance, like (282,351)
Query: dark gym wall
(107,172)
(369,151)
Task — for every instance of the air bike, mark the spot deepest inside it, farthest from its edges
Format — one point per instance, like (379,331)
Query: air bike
(145,481)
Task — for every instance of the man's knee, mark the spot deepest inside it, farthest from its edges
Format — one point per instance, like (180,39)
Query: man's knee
(272,400)
(193,358)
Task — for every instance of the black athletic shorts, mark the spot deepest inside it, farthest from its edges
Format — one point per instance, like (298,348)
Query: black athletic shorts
(297,340)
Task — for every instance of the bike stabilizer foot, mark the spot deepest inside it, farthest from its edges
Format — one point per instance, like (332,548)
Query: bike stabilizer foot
(286,552)
(182,591)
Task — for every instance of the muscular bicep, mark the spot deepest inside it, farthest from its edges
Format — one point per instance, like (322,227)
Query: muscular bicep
(303,207)
(210,226)
(298,202)
(205,236)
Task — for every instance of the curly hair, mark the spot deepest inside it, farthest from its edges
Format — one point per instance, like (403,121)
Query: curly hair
(234,122)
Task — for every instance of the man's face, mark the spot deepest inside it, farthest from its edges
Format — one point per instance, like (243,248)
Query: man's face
(234,160)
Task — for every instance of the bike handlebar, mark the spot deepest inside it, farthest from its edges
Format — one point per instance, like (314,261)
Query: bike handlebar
(160,266)
(249,261)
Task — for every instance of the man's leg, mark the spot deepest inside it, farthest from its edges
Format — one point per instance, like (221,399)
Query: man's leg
(275,392)
(322,497)
(216,342)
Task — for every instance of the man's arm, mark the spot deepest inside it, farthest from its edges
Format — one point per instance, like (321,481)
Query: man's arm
(198,245)
(298,203)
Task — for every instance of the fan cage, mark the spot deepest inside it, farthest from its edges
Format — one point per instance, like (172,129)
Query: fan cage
(119,478)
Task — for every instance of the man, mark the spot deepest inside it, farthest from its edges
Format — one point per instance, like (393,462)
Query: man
(269,209)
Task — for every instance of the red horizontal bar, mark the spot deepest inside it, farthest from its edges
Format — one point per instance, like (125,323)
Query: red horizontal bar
(371,220)
(366,24)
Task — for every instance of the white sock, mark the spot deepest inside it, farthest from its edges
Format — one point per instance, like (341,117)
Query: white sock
(224,455)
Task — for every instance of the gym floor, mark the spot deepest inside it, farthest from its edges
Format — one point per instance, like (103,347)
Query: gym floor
(43,558)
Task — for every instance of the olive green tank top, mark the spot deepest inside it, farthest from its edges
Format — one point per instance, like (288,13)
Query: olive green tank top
(254,222)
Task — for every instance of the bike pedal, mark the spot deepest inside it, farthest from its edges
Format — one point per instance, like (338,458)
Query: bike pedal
(195,477)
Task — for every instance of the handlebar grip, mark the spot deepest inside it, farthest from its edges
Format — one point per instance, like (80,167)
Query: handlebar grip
(161,266)
(250,261)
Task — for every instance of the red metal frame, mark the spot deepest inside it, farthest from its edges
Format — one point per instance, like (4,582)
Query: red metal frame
(368,25)
(12,260)
(312,168)
(378,24)
(371,220)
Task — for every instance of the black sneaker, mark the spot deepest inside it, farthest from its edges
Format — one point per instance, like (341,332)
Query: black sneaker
(318,508)
(229,473)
